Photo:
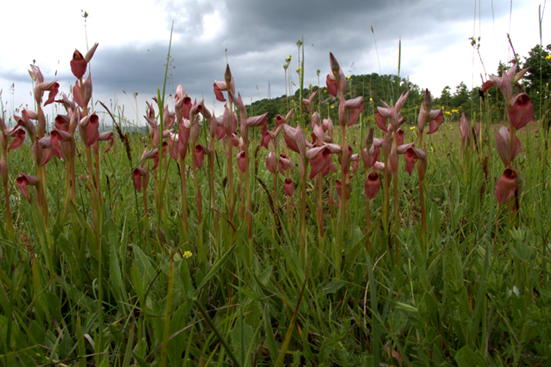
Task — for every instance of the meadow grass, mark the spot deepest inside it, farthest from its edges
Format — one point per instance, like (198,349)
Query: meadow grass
(116,282)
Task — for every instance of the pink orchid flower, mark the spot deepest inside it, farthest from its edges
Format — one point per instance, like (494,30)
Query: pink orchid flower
(41,86)
(23,181)
(82,95)
(88,129)
(504,150)
(271,163)
(521,111)
(220,87)
(182,104)
(288,187)
(372,185)
(320,159)
(141,178)
(435,117)
(507,185)
(200,151)
(285,163)
(391,113)
(335,81)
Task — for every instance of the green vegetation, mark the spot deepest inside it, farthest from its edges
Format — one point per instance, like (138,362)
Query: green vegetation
(132,258)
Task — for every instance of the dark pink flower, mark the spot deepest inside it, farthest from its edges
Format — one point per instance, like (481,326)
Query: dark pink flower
(372,185)
(241,161)
(283,120)
(294,137)
(381,121)
(288,187)
(82,95)
(285,163)
(308,102)
(141,178)
(169,117)
(355,106)
(78,64)
(271,163)
(436,118)
(506,152)
(320,160)
(506,185)
(23,181)
(182,103)
(200,151)
(106,136)
(220,87)
(522,111)
(88,128)
(411,156)
(336,81)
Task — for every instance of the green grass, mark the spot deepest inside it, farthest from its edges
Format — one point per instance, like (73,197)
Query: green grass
(475,293)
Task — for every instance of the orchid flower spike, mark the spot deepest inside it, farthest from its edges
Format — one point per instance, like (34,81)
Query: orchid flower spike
(336,81)
(391,113)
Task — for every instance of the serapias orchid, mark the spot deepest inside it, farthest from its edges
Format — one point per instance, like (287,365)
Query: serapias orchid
(41,86)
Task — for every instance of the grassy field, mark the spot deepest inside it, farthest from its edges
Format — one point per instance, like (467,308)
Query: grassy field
(207,266)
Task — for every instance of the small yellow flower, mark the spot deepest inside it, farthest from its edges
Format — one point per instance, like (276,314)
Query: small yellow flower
(370,99)
(455,111)
(332,106)
(448,113)
(187,254)
(298,69)
(412,128)
(548,57)
(348,77)
(443,108)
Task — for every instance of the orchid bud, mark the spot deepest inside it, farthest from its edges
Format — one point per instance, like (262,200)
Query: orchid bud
(78,64)
(91,52)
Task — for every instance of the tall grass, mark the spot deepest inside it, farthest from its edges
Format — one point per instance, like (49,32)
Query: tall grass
(119,281)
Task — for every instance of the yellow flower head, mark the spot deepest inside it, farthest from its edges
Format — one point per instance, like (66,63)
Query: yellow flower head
(443,108)
(187,254)
(370,99)
(412,128)
(448,113)
(455,111)
(548,57)
(298,70)
(332,106)
(348,77)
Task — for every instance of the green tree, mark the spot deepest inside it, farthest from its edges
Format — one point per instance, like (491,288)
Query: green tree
(537,78)
(461,99)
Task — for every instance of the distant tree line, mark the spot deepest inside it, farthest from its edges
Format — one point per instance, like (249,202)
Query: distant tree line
(374,88)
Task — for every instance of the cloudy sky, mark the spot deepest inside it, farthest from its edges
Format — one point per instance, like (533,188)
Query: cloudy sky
(258,35)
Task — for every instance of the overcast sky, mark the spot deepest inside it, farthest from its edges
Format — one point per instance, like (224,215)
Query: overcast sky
(133,41)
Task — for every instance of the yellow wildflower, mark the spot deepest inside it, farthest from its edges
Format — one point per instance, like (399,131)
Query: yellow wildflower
(187,254)
(348,77)
(455,111)
(548,57)
(412,128)
(448,113)
(370,99)
(332,106)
